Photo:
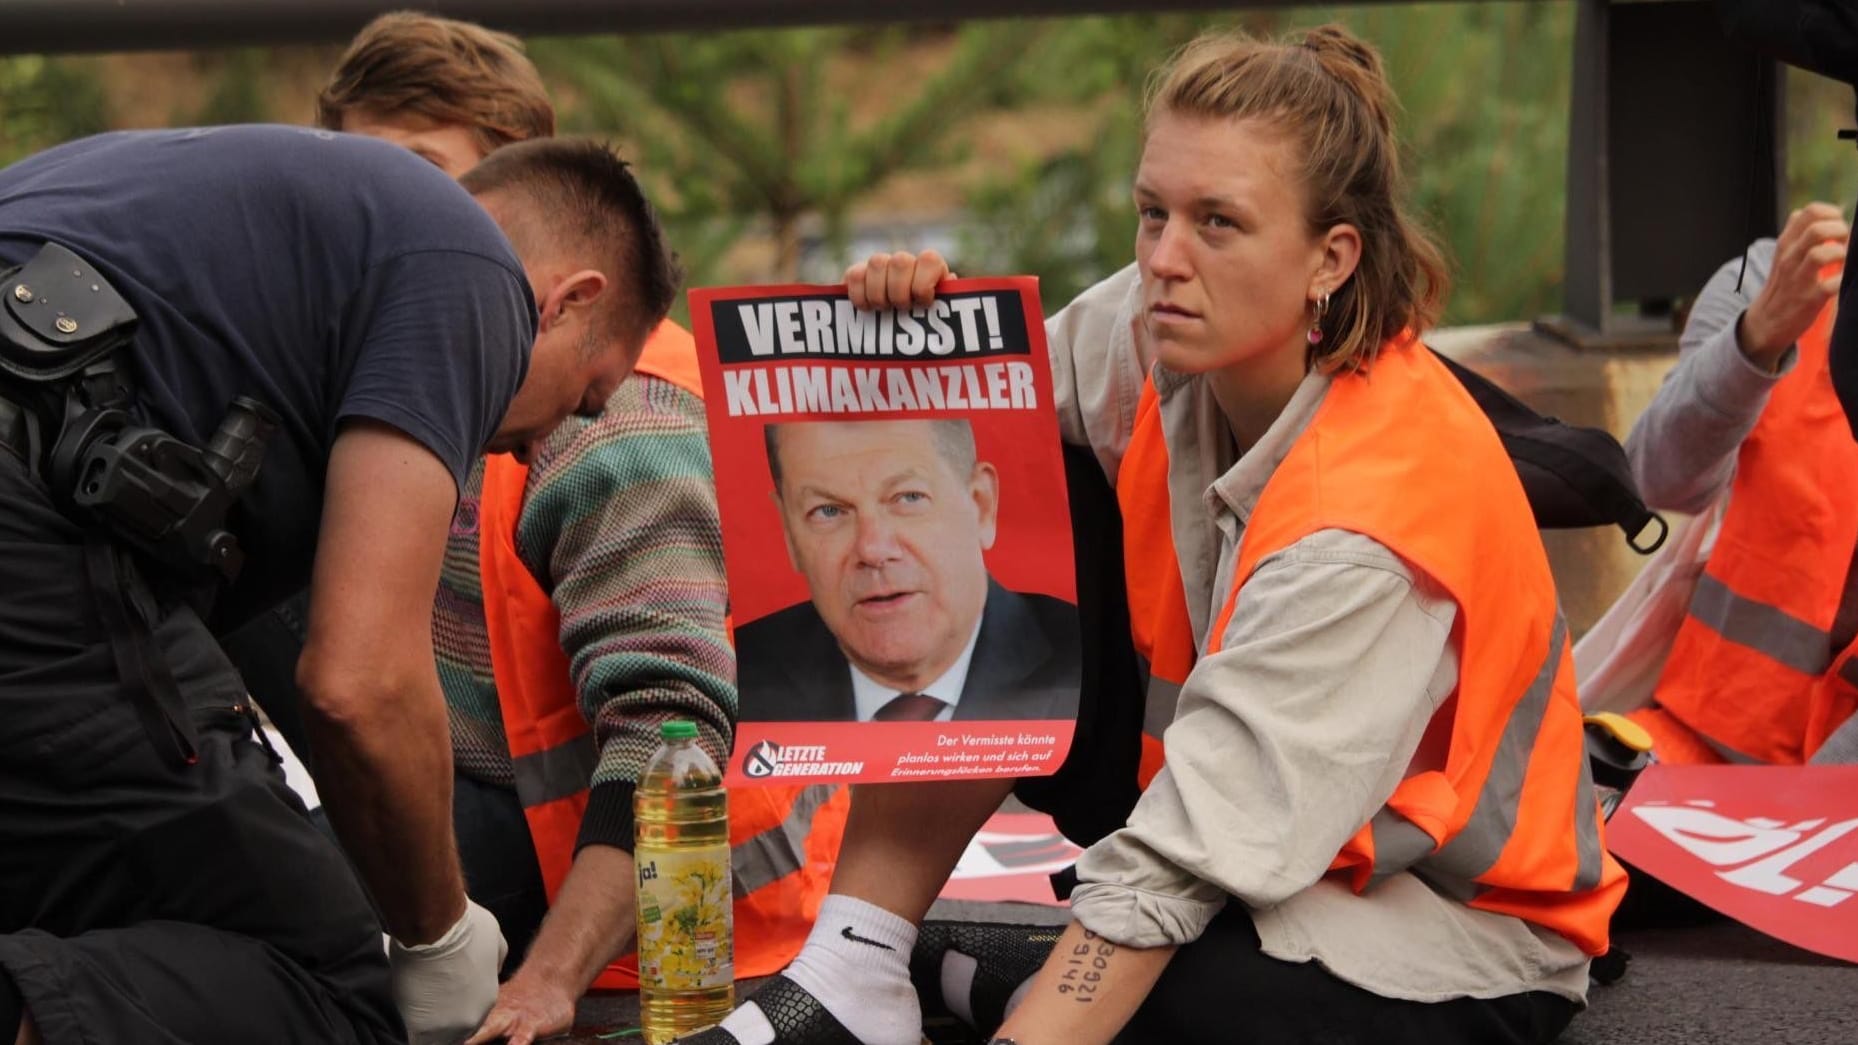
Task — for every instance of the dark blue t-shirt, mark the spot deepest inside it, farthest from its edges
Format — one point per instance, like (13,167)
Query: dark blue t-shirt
(325,275)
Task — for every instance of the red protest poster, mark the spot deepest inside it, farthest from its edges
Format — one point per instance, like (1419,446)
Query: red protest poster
(896,533)
(1774,847)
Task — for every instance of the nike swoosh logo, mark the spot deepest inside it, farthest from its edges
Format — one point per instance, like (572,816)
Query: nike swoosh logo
(855,938)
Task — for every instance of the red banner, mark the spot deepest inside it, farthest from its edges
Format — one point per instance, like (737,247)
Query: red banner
(1774,847)
(895,530)
(1012,858)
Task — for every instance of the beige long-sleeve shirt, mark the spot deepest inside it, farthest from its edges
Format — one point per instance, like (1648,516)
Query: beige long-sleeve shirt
(1290,737)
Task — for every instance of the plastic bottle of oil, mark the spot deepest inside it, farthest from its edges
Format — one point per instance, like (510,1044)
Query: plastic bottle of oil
(686,925)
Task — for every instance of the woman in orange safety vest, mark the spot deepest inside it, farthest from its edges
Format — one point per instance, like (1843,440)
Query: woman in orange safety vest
(1373,817)
(1762,668)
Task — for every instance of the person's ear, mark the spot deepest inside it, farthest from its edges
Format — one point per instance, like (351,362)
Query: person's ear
(1341,252)
(573,296)
(984,487)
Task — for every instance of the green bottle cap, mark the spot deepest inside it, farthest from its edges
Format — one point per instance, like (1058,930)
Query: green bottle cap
(678,729)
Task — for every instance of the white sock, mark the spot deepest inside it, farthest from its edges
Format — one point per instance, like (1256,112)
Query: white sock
(958,984)
(857,963)
(749,1025)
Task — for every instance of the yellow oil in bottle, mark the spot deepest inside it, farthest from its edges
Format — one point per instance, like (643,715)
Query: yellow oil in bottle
(685,910)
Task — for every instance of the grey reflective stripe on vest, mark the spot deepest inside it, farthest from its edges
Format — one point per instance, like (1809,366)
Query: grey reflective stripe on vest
(556,772)
(1588,850)
(1475,849)
(1761,627)
(1160,703)
(779,851)
(1398,844)
(1160,699)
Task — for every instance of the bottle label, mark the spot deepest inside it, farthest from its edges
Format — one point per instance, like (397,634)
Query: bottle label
(686,918)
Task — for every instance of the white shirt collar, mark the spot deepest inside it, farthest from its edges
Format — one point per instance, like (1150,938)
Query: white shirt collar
(870,694)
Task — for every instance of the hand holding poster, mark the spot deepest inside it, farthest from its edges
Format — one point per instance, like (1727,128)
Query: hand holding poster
(895,533)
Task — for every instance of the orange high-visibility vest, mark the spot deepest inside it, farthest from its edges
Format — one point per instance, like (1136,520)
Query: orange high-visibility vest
(1498,808)
(1152,577)
(1753,668)
(783,840)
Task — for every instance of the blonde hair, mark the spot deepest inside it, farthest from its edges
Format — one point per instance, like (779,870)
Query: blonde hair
(1326,89)
(447,71)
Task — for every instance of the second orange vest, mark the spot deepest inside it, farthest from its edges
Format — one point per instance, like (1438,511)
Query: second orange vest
(1498,806)
(1753,667)
(784,840)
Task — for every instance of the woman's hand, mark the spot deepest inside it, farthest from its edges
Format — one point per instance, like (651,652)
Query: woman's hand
(1796,290)
(900,280)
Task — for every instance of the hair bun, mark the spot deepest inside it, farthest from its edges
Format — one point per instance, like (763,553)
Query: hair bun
(1334,43)
(1357,64)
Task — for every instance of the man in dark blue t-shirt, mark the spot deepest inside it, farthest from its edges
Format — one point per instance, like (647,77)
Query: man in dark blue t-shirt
(380,312)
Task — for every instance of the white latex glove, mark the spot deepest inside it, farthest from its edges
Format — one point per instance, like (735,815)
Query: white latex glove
(445,988)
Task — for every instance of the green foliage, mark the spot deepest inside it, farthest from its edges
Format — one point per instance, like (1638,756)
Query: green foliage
(1485,95)
(739,129)
(1485,91)
(44,101)
(1067,218)
(1819,165)
(237,91)
(759,145)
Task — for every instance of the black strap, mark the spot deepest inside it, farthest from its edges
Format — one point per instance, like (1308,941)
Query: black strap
(1574,476)
(13,433)
(140,666)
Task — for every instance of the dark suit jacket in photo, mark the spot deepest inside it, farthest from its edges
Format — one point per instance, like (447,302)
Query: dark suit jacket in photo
(1025,664)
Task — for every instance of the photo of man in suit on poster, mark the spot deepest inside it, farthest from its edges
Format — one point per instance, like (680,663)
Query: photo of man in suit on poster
(889,522)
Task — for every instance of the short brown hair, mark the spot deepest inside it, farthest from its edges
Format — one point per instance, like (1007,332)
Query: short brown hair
(953,438)
(1326,89)
(446,71)
(577,194)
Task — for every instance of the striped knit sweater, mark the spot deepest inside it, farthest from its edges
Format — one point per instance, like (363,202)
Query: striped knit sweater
(619,526)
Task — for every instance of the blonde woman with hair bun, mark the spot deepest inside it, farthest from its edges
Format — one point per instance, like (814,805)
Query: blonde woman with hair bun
(1370,818)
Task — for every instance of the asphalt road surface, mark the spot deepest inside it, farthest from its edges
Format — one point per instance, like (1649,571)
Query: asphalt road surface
(1711,984)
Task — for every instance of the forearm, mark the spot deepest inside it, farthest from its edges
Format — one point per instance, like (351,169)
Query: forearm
(1683,449)
(1086,991)
(385,779)
(590,923)
(1288,739)
(621,521)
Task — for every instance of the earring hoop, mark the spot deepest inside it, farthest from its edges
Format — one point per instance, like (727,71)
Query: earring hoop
(1321,306)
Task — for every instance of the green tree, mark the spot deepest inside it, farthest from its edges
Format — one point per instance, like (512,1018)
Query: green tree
(1819,165)
(237,87)
(1484,129)
(738,129)
(1484,90)
(44,101)
(1067,217)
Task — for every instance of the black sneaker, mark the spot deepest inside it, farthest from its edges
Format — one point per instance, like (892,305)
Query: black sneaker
(797,1017)
(1004,955)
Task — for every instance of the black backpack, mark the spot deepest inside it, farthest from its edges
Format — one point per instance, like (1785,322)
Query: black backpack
(1574,477)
